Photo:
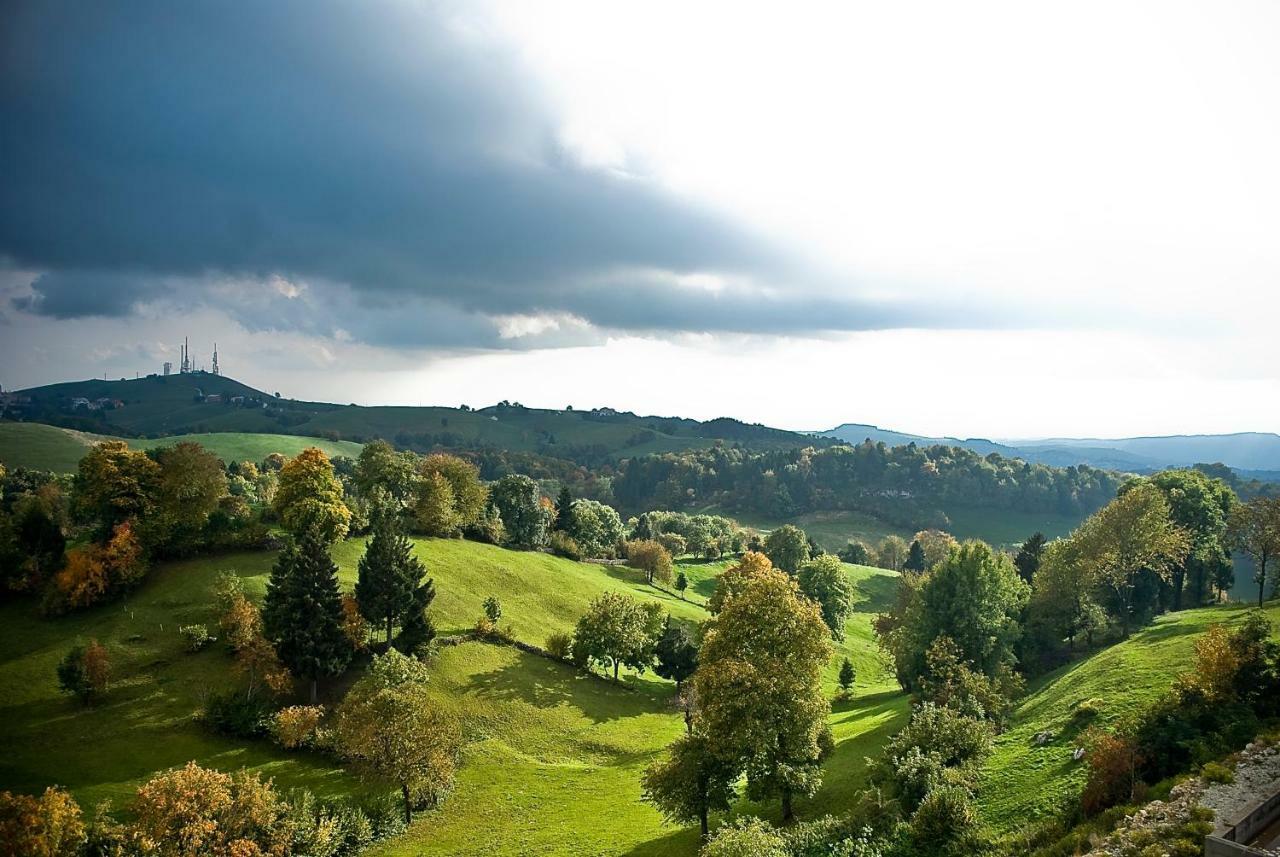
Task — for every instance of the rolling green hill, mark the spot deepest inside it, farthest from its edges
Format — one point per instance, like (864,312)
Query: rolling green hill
(553,758)
(44,447)
(167,405)
(1022,782)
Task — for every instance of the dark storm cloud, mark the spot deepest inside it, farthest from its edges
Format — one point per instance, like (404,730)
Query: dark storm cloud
(385,150)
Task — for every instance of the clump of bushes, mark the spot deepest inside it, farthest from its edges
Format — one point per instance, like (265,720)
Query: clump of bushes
(197,637)
(560,646)
(1086,710)
(1216,772)
(84,671)
(565,545)
(238,715)
(297,725)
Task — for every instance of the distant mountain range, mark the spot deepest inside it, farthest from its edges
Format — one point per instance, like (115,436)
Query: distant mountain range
(1251,454)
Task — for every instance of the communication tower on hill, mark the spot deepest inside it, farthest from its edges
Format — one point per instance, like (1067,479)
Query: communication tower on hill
(214,367)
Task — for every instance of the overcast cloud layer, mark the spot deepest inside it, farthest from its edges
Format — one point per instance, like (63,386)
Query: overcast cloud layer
(399,166)
(993,218)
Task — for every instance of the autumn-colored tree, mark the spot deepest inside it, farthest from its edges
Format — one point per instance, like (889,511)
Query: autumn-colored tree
(295,726)
(1133,534)
(1216,665)
(113,484)
(353,624)
(759,686)
(193,812)
(393,731)
(469,496)
(82,581)
(652,558)
(257,660)
(735,578)
(380,468)
(1113,759)
(85,671)
(936,545)
(309,497)
(435,510)
(47,826)
(1254,529)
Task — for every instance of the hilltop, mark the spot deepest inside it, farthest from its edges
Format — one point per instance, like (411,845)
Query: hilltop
(200,402)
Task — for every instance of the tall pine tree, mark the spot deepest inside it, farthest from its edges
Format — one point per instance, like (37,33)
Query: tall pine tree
(564,509)
(302,613)
(388,573)
(417,629)
(915,558)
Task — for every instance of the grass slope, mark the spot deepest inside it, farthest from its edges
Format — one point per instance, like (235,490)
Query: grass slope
(554,757)
(1021,782)
(43,447)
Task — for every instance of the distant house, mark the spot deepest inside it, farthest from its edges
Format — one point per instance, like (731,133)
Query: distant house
(237,400)
(213,399)
(80,402)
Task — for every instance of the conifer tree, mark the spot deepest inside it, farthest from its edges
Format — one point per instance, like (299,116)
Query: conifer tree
(302,614)
(417,629)
(915,558)
(564,509)
(388,574)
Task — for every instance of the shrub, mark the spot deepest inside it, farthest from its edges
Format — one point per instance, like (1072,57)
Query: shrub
(1113,760)
(84,671)
(238,716)
(745,837)
(354,624)
(563,544)
(674,543)
(560,645)
(1086,710)
(492,609)
(50,825)
(196,636)
(947,823)
(200,811)
(1216,772)
(296,725)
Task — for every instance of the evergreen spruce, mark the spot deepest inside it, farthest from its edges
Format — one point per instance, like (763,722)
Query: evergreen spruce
(564,509)
(417,629)
(302,614)
(915,558)
(389,573)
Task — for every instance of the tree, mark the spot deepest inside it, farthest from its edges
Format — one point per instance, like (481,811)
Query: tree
(492,609)
(936,545)
(915,558)
(114,484)
(823,580)
(846,678)
(381,468)
(746,837)
(651,558)
(892,552)
(309,497)
(759,686)
(682,583)
(617,630)
(1254,529)
(193,811)
(1201,507)
(787,548)
(564,504)
(735,578)
(690,783)
(974,597)
(190,485)
(855,553)
(435,509)
(393,731)
(469,494)
(1062,596)
(1132,534)
(1027,560)
(39,543)
(47,826)
(387,574)
(520,504)
(595,527)
(302,613)
(677,654)
(84,672)
(417,629)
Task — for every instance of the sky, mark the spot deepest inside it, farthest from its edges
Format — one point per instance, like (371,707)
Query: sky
(982,219)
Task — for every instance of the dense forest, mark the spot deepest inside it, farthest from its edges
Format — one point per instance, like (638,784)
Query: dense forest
(909,484)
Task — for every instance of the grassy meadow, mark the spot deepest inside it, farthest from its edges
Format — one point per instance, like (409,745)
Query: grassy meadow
(553,760)
(43,447)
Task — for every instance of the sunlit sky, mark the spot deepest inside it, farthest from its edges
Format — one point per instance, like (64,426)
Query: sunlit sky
(981,219)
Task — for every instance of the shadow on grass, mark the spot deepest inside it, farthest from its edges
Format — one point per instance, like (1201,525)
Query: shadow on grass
(878,591)
(684,841)
(543,683)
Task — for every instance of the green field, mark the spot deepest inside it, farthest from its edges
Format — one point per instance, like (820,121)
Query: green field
(1021,782)
(553,758)
(43,447)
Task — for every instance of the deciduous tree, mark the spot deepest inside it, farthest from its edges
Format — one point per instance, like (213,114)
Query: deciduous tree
(787,548)
(690,783)
(520,504)
(1254,529)
(823,580)
(618,631)
(677,654)
(309,497)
